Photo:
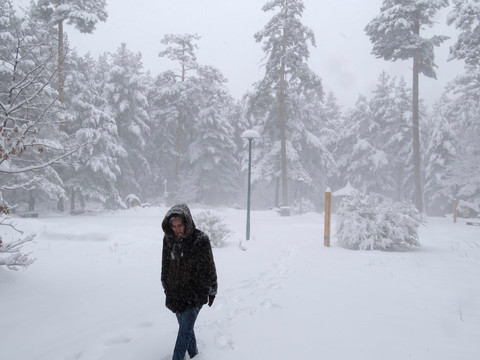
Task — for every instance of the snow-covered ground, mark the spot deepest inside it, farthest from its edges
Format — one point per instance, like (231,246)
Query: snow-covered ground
(95,294)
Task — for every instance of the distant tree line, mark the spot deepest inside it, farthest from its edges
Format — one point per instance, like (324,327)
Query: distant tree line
(77,130)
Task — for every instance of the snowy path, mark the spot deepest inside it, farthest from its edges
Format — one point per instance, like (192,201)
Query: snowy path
(95,294)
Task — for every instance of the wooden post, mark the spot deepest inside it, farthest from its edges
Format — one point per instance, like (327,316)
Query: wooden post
(454,211)
(326,238)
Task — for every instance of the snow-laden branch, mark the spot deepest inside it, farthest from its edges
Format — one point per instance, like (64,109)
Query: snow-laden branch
(44,165)
(26,185)
(11,255)
(3,223)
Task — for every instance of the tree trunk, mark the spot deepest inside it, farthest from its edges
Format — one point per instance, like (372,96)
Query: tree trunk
(60,204)
(81,200)
(31,201)
(277,190)
(416,130)
(178,149)
(72,200)
(61,75)
(282,123)
(61,72)
(178,140)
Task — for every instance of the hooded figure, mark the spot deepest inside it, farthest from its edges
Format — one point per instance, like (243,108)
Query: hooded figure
(189,276)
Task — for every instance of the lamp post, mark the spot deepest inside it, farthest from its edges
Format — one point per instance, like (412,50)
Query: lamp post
(250,135)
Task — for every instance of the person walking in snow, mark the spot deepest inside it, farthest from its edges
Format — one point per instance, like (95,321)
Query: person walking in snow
(189,276)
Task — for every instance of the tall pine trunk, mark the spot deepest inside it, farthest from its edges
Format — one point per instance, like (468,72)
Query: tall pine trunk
(416,129)
(178,148)
(282,123)
(61,75)
(60,205)
(178,140)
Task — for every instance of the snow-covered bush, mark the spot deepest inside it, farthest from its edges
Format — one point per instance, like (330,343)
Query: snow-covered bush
(375,223)
(211,223)
(132,200)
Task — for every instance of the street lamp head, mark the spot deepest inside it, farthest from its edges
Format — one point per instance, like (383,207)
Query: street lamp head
(250,135)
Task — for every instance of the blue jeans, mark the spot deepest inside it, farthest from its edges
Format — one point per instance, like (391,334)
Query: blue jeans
(186,340)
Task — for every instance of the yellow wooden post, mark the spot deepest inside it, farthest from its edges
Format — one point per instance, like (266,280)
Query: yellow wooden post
(326,238)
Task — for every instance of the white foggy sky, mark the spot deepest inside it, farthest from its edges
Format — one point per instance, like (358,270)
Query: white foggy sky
(341,58)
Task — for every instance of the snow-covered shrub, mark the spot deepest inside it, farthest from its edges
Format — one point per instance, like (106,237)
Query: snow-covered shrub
(375,223)
(211,223)
(132,200)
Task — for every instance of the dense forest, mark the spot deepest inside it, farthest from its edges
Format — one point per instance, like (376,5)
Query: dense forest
(79,132)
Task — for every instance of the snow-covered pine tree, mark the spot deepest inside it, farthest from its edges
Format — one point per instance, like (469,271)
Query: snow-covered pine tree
(465,15)
(400,147)
(125,90)
(82,14)
(391,110)
(371,222)
(395,34)
(334,115)
(383,132)
(179,95)
(287,79)
(161,149)
(440,154)
(312,137)
(213,169)
(361,160)
(462,178)
(94,169)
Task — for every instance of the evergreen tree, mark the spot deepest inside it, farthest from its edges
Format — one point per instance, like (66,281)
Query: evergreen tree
(287,79)
(161,151)
(391,110)
(125,90)
(463,173)
(213,169)
(384,130)
(312,136)
(333,118)
(360,159)
(395,34)
(441,154)
(95,168)
(400,145)
(82,14)
(466,17)
(180,91)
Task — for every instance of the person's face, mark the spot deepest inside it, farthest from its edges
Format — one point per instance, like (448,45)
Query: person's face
(178,228)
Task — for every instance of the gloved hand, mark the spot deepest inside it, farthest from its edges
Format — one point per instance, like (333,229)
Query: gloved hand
(211,298)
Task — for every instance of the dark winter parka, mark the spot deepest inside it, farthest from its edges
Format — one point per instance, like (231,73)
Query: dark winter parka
(188,269)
